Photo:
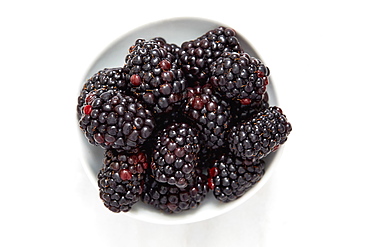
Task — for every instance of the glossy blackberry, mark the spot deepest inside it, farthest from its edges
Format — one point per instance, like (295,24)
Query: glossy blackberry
(231,177)
(153,74)
(261,135)
(210,113)
(172,199)
(163,121)
(115,120)
(197,55)
(121,179)
(175,154)
(110,78)
(240,77)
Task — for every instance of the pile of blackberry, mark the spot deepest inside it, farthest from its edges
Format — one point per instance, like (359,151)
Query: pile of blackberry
(180,122)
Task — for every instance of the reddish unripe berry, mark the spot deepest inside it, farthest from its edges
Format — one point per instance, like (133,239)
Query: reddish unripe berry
(260,73)
(245,101)
(211,184)
(135,80)
(87,109)
(165,64)
(213,172)
(125,174)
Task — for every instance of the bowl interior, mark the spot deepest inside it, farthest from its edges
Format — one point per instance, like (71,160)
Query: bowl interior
(176,31)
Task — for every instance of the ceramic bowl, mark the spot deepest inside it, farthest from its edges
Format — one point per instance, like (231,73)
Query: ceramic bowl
(176,31)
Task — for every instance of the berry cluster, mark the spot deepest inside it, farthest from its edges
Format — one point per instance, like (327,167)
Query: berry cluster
(177,122)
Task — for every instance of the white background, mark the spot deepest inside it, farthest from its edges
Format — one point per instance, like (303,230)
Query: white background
(318,54)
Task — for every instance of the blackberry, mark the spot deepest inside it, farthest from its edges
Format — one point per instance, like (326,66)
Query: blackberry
(261,135)
(121,179)
(162,121)
(240,77)
(231,177)
(172,199)
(197,55)
(115,120)
(110,78)
(153,74)
(210,113)
(175,155)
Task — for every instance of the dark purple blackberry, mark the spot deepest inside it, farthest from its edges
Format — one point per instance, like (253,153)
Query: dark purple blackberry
(172,199)
(231,177)
(175,155)
(197,55)
(115,120)
(109,78)
(121,179)
(210,113)
(153,74)
(162,121)
(239,77)
(261,135)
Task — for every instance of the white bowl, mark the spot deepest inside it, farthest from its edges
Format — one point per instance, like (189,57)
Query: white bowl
(176,31)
